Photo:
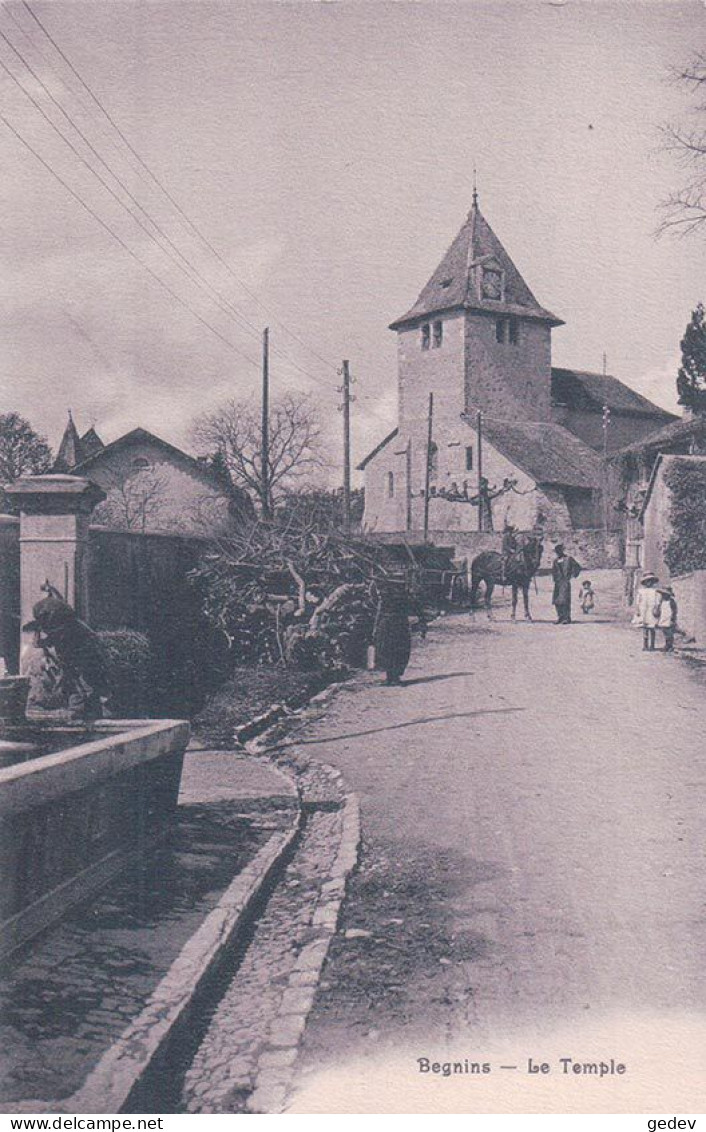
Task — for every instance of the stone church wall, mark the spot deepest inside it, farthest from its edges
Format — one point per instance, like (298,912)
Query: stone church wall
(505,379)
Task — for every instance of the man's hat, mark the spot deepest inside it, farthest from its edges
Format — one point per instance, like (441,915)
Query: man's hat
(648,576)
(559,548)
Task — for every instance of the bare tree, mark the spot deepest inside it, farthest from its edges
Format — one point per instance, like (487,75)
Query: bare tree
(684,211)
(296,449)
(134,501)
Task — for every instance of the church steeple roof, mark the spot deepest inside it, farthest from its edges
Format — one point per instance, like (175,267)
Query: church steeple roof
(70,450)
(458,282)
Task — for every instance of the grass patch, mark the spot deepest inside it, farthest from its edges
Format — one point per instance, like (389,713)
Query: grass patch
(248,693)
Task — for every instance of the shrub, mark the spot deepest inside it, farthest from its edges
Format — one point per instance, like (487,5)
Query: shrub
(685,549)
(129,668)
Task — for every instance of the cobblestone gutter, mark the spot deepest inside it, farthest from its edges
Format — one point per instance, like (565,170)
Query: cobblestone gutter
(247,1058)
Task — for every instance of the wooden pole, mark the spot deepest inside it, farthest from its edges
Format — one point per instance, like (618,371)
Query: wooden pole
(265,474)
(346,448)
(479,433)
(606,422)
(408,460)
(427,477)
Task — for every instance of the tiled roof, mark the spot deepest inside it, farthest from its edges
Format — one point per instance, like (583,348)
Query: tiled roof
(547,452)
(679,431)
(91,443)
(454,284)
(583,390)
(390,436)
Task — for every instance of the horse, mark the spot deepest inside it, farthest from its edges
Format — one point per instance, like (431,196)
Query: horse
(516,569)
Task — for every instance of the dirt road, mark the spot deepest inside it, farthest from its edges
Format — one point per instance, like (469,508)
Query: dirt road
(533,802)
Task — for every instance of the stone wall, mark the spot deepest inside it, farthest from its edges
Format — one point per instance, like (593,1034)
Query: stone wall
(593,549)
(690,592)
(506,379)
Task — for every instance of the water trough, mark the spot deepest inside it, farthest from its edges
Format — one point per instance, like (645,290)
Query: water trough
(77,804)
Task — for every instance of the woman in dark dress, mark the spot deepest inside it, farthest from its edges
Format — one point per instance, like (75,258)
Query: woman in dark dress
(391,635)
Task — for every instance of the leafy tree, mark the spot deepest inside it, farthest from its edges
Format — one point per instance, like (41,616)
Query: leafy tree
(691,379)
(22,451)
(296,449)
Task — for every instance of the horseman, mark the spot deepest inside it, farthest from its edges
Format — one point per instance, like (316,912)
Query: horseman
(511,549)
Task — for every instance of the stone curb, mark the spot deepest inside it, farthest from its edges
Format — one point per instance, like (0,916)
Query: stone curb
(275,1066)
(109,1085)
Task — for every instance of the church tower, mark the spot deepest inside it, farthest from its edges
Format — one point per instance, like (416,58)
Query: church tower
(476,337)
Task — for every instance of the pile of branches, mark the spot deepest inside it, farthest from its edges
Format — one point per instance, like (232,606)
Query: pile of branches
(288,593)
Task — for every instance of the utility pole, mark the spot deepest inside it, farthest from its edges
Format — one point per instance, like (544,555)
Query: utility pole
(408,485)
(265,474)
(346,407)
(479,462)
(427,477)
(606,422)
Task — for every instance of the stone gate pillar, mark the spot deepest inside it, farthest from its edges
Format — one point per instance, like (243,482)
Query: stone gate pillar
(54,515)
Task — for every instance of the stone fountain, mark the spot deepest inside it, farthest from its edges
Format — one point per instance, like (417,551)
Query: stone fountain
(80,797)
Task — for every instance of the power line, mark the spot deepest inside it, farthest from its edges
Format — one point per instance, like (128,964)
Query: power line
(197,231)
(122,243)
(190,271)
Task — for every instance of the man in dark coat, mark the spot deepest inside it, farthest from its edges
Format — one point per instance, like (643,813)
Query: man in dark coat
(391,635)
(564,569)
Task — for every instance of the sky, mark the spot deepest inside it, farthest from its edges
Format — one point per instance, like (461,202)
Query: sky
(325,151)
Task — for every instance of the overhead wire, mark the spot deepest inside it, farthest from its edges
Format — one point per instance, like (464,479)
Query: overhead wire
(175,204)
(190,270)
(175,295)
(122,243)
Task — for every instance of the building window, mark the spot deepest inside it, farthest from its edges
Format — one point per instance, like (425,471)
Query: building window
(426,335)
(513,331)
(390,484)
(140,463)
(469,457)
(438,332)
(500,329)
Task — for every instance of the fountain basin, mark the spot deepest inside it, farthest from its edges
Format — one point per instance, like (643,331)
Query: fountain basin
(71,820)
(13,699)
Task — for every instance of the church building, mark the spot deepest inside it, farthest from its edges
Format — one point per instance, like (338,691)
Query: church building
(511,437)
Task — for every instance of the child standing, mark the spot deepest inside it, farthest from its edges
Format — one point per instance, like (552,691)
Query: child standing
(588,597)
(667,618)
(647,610)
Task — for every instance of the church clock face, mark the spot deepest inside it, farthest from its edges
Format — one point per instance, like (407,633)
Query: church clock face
(492,284)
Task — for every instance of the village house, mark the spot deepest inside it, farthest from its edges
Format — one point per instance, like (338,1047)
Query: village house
(507,426)
(632,471)
(151,485)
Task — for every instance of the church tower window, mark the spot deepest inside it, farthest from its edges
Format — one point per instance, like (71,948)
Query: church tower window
(390,484)
(426,336)
(500,329)
(438,332)
(469,457)
(513,331)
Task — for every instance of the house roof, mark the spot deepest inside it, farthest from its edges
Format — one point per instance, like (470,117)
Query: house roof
(547,452)
(390,436)
(91,443)
(591,391)
(140,436)
(454,284)
(680,430)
